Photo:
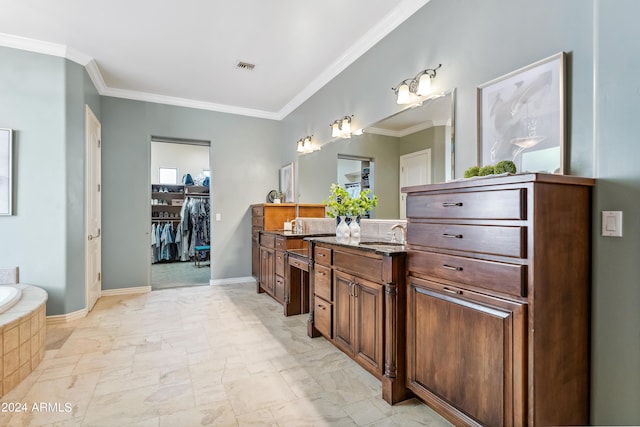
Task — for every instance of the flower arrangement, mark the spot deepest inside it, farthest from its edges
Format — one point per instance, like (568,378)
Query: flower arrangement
(340,203)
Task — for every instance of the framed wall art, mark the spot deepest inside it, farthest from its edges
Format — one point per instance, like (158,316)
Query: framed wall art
(5,171)
(287,184)
(521,117)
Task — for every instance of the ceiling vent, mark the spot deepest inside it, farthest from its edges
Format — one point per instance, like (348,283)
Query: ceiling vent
(245,66)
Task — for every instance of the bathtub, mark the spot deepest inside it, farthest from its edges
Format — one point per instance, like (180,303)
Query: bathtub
(9,296)
(22,332)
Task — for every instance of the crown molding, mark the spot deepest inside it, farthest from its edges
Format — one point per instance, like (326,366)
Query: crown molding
(189,103)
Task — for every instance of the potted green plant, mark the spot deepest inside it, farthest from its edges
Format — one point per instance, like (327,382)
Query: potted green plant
(360,206)
(339,205)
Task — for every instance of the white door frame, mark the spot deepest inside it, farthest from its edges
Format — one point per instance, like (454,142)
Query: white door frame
(403,159)
(93,209)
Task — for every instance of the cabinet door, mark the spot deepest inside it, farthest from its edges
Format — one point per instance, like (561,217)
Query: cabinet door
(343,330)
(267,269)
(469,351)
(368,312)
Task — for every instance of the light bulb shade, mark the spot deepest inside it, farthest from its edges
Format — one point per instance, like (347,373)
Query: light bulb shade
(335,129)
(307,145)
(424,85)
(300,146)
(403,94)
(346,126)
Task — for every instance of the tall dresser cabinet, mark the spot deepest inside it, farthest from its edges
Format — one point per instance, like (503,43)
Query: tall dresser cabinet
(498,299)
(272,216)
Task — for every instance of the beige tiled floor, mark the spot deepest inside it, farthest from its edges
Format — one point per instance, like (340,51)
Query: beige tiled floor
(220,355)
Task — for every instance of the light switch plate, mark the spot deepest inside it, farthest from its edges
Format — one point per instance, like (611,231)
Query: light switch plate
(612,223)
(218,217)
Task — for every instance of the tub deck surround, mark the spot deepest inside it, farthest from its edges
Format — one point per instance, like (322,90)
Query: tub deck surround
(23,336)
(359,304)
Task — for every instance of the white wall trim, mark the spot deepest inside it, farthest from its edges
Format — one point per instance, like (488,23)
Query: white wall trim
(232,281)
(60,319)
(125,291)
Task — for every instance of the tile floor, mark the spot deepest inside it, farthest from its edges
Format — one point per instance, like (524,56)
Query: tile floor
(177,274)
(193,356)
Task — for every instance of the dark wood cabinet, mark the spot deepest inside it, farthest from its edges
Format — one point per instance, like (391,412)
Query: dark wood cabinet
(267,277)
(359,306)
(498,299)
(358,327)
(466,349)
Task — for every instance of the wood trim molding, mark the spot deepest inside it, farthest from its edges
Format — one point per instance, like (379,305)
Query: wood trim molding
(125,291)
(60,319)
(232,281)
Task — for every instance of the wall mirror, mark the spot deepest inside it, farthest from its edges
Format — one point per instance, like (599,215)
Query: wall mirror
(421,138)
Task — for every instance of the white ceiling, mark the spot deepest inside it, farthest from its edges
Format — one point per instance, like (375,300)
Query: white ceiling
(184,52)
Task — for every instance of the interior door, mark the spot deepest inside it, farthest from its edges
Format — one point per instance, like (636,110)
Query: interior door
(93,209)
(415,169)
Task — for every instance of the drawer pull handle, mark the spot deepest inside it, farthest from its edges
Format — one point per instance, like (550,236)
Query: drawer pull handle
(322,273)
(452,236)
(320,254)
(451,267)
(451,204)
(322,307)
(453,291)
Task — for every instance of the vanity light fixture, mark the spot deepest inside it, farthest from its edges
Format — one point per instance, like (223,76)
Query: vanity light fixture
(304,145)
(341,128)
(409,90)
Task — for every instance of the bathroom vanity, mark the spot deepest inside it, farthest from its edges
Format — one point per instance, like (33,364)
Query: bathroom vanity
(498,299)
(358,304)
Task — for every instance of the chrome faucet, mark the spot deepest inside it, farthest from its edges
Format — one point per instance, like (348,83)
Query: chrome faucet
(404,232)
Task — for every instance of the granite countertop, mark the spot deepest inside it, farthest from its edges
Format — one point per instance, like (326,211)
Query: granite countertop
(288,233)
(365,243)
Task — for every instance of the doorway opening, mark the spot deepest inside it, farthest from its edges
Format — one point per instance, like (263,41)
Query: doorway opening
(180,212)
(355,174)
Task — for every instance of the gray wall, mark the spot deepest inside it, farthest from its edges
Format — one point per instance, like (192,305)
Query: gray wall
(244,163)
(616,283)
(43,100)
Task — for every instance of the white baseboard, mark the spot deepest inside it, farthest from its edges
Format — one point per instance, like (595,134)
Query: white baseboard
(232,281)
(59,319)
(125,291)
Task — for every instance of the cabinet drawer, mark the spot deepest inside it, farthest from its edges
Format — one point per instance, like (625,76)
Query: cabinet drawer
(370,268)
(278,291)
(281,243)
(267,240)
(506,241)
(496,276)
(322,277)
(257,210)
(499,204)
(322,317)
(299,264)
(322,255)
(257,222)
(280,263)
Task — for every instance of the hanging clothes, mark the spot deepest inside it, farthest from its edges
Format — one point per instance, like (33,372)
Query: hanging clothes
(195,220)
